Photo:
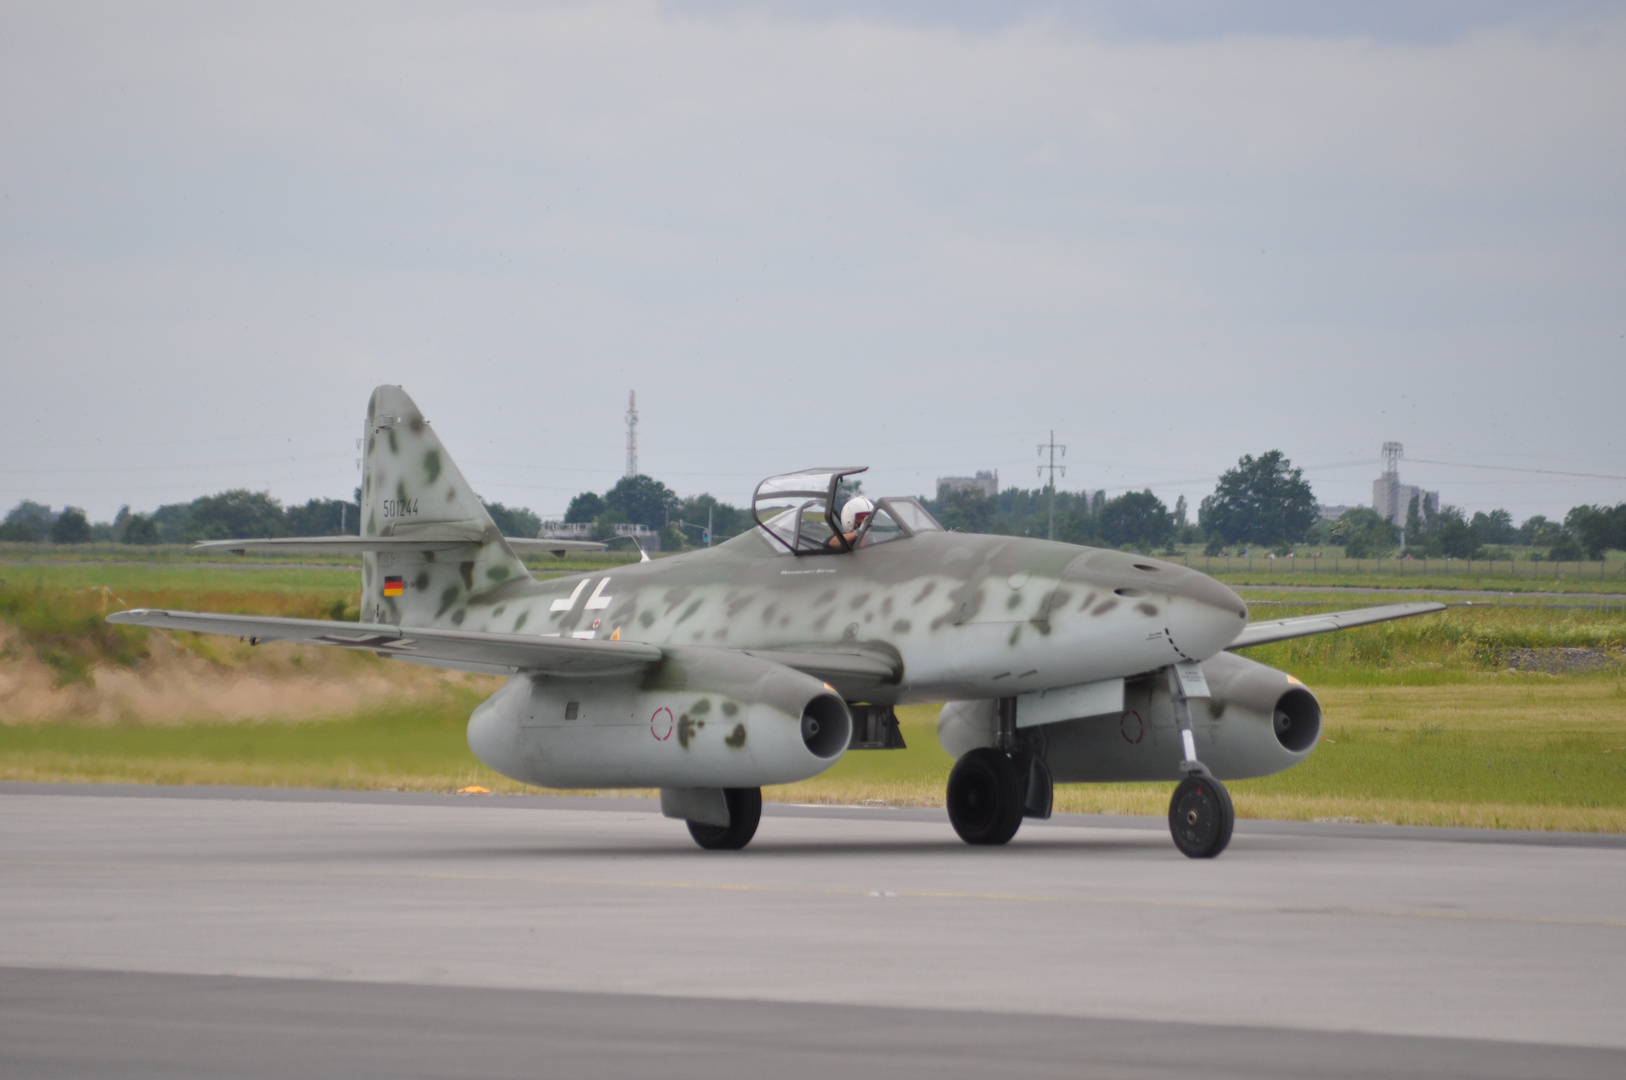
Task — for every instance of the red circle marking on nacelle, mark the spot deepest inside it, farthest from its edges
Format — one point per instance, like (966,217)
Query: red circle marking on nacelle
(654,723)
(1132,727)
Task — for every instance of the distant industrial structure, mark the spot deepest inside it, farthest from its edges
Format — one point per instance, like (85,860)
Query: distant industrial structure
(985,482)
(1392,499)
(632,433)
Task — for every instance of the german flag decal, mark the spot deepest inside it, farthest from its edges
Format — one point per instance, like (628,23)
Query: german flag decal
(393,586)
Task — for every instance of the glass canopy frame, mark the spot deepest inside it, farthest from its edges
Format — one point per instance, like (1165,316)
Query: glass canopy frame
(809,497)
(798,511)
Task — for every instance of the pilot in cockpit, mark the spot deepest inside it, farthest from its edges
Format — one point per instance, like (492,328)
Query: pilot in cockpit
(853,516)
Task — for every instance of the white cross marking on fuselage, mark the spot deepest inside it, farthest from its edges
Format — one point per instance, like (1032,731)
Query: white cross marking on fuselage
(565,603)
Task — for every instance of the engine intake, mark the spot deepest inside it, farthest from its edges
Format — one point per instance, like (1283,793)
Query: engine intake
(827,726)
(1297,720)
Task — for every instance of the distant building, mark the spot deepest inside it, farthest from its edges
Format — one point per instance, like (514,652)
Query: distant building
(646,538)
(1392,499)
(1332,513)
(985,482)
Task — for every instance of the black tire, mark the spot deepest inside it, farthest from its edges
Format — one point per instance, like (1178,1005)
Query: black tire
(744,813)
(985,797)
(1200,817)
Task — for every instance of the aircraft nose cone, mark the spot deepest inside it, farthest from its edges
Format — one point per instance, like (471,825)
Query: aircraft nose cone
(1122,569)
(1205,614)
(1216,594)
(1209,614)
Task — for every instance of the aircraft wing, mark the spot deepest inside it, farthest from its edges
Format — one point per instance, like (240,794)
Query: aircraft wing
(1260,633)
(355,545)
(466,650)
(851,672)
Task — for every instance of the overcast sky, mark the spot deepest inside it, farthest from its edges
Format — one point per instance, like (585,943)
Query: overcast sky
(918,238)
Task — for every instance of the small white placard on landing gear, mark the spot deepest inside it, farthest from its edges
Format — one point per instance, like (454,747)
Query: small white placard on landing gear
(1192,683)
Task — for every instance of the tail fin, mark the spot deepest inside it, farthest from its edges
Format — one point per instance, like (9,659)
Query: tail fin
(411,487)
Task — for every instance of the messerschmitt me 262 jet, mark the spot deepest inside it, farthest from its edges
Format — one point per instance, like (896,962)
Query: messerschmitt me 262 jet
(764,659)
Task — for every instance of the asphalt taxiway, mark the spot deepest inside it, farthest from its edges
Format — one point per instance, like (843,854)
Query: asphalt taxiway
(241,933)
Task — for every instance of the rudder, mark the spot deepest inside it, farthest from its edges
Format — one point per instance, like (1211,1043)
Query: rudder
(411,488)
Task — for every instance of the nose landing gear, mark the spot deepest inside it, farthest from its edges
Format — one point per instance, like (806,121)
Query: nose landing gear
(1200,813)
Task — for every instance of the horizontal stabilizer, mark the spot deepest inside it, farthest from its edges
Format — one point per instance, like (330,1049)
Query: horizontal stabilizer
(448,540)
(1262,633)
(465,650)
(557,547)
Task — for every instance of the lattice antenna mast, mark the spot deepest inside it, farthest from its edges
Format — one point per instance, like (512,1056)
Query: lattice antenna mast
(1052,468)
(1392,453)
(632,433)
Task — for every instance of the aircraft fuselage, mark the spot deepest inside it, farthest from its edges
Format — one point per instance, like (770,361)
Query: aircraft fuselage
(965,616)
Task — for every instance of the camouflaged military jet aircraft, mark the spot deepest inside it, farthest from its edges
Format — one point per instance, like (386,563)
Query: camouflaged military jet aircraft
(762,660)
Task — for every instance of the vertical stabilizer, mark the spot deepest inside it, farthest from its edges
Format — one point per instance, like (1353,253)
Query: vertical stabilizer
(410,487)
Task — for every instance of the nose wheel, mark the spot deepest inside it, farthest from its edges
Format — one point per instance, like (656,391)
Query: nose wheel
(1200,817)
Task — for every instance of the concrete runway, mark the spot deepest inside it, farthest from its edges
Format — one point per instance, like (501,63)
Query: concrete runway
(231,933)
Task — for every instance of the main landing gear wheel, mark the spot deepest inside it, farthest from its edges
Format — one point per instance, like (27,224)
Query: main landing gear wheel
(744,812)
(1200,817)
(985,797)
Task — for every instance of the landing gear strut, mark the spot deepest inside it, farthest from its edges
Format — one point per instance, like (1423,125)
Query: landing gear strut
(1200,813)
(744,813)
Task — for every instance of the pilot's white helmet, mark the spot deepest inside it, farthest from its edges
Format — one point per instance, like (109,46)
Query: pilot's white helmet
(853,514)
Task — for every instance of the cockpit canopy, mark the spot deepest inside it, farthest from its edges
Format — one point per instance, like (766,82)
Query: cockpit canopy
(800,512)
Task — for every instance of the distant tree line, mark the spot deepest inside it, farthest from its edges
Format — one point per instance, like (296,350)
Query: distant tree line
(641,500)
(1586,532)
(1262,503)
(230,515)
(1135,519)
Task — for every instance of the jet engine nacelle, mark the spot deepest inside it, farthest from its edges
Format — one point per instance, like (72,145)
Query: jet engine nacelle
(1259,721)
(699,718)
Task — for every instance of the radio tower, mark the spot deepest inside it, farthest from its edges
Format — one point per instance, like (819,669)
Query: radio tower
(632,433)
(1053,468)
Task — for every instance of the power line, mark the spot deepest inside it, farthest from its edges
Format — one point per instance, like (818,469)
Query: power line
(174,466)
(1514,468)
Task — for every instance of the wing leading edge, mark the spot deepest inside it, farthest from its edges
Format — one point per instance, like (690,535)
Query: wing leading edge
(355,545)
(496,654)
(466,650)
(1262,633)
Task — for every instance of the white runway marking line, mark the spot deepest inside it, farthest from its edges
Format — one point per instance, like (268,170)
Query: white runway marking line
(903,894)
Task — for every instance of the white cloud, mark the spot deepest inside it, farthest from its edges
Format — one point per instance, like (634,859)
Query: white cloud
(282,203)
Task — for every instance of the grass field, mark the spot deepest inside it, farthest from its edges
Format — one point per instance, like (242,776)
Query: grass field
(1425,724)
(1529,752)
(1330,570)
(14,554)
